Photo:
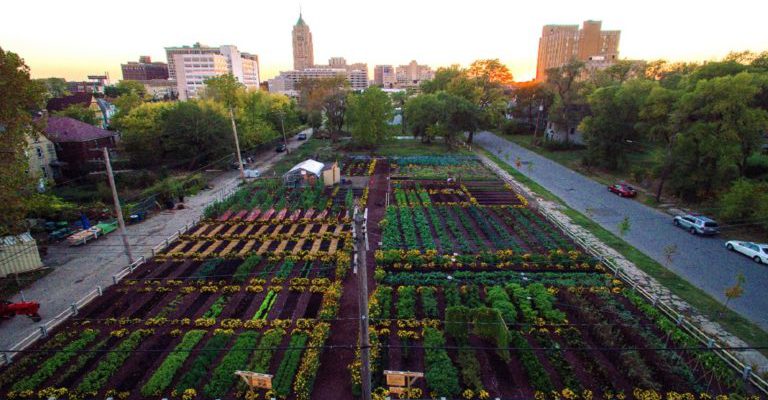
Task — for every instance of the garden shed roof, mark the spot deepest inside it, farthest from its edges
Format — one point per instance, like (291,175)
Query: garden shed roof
(312,166)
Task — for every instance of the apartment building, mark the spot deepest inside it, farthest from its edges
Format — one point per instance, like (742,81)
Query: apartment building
(559,44)
(191,66)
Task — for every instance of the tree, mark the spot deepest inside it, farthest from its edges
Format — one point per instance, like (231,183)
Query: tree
(655,124)
(80,113)
(253,118)
(15,123)
(141,134)
(369,114)
(55,87)
(735,291)
(569,105)
(615,114)
(458,115)
(422,112)
(719,129)
(226,89)
(443,76)
(335,109)
(195,132)
(744,201)
(490,71)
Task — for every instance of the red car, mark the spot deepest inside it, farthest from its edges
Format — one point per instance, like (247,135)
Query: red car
(623,190)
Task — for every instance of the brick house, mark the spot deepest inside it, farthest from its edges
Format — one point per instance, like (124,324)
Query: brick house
(78,145)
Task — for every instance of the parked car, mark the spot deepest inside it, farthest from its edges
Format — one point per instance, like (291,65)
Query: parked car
(758,252)
(623,190)
(301,136)
(280,148)
(697,224)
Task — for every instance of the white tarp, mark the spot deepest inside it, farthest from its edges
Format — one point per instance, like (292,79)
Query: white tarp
(312,166)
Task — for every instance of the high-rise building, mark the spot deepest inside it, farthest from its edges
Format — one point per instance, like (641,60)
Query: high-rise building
(303,53)
(384,75)
(412,74)
(191,66)
(559,44)
(144,70)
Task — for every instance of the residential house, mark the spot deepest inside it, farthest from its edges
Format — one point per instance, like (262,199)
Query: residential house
(41,153)
(78,145)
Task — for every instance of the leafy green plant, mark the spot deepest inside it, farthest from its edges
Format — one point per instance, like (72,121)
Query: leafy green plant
(406,302)
(441,374)
(201,365)
(289,364)
(163,375)
(224,375)
(266,305)
(428,301)
(51,365)
(96,379)
(245,268)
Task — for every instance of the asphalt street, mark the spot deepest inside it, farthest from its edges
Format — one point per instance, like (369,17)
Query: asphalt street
(703,261)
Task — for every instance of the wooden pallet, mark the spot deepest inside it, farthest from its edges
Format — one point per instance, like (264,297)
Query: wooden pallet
(276,231)
(248,246)
(298,246)
(200,230)
(339,228)
(291,229)
(229,247)
(196,247)
(333,246)
(248,229)
(212,247)
(215,230)
(281,247)
(315,246)
(323,229)
(263,248)
(307,229)
(179,247)
(261,230)
(231,230)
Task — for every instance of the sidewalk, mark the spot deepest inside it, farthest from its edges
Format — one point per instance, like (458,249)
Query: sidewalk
(78,270)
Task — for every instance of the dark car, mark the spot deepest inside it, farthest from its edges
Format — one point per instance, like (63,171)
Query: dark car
(280,148)
(623,190)
(301,136)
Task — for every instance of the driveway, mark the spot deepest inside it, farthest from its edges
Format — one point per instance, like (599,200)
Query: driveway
(78,270)
(702,261)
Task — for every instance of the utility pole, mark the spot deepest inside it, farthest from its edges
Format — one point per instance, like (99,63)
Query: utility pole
(237,144)
(282,126)
(118,209)
(362,282)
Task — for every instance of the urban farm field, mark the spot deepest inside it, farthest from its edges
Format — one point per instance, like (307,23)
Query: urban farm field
(488,299)
(468,284)
(255,286)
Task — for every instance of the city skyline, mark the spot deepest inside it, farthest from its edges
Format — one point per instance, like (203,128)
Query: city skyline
(434,33)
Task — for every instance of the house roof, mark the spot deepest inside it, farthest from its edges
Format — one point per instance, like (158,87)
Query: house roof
(310,165)
(60,103)
(65,129)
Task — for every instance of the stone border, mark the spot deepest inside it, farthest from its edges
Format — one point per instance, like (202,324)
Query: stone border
(709,332)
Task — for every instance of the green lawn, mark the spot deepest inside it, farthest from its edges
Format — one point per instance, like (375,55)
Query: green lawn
(703,302)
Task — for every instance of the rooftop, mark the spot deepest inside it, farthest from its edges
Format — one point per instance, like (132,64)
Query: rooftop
(65,129)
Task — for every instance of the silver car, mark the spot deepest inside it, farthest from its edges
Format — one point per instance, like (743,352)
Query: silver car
(697,224)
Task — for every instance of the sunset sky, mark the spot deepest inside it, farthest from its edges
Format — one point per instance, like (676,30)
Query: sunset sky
(73,38)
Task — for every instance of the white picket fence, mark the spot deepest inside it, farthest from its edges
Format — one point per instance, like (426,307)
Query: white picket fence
(42,330)
(682,321)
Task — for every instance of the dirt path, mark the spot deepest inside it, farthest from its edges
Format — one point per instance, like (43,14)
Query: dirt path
(78,270)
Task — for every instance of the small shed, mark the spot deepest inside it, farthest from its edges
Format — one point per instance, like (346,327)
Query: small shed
(18,254)
(305,173)
(331,174)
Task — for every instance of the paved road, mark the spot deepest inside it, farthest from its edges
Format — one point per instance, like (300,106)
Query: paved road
(78,270)
(702,261)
